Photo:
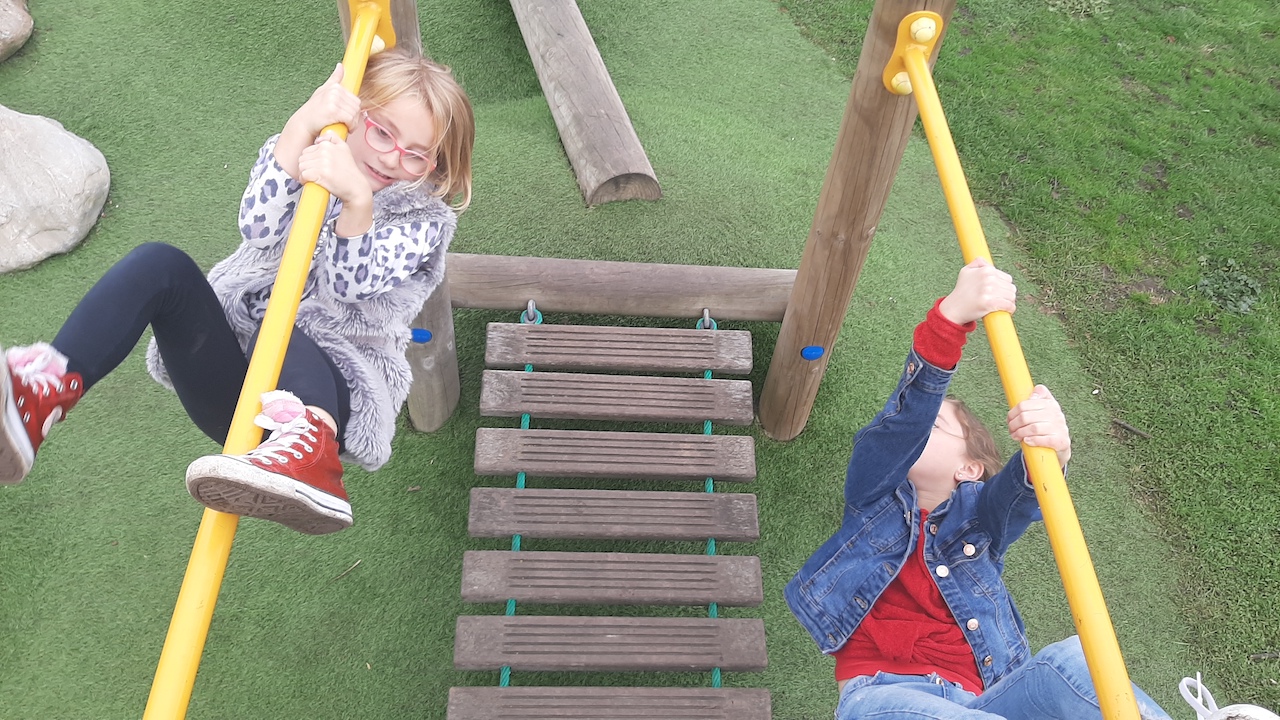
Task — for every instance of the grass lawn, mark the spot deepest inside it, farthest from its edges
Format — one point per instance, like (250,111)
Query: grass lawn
(1135,147)
(738,112)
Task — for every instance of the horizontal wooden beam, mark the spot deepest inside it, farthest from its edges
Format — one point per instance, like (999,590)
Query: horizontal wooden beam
(598,287)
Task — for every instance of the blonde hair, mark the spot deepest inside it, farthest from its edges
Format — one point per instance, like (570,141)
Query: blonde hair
(395,73)
(978,441)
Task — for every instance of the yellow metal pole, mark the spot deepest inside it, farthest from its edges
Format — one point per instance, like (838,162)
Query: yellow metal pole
(184,643)
(1084,595)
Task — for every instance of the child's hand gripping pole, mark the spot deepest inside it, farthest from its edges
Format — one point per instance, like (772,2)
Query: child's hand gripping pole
(908,71)
(189,627)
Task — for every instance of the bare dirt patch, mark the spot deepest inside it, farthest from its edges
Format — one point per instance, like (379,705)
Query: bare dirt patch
(1156,172)
(1113,290)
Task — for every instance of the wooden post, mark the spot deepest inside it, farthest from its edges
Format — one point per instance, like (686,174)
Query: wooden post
(873,136)
(595,129)
(434,393)
(404,18)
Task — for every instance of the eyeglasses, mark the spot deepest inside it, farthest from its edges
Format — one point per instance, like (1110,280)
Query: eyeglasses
(381,140)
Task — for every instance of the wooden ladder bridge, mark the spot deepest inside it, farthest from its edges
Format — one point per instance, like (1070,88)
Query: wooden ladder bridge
(578,378)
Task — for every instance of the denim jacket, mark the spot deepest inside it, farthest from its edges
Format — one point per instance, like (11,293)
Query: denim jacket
(964,546)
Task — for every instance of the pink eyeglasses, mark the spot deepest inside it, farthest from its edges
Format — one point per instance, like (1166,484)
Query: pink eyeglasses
(381,140)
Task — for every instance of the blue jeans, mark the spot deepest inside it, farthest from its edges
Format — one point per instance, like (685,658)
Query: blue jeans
(1053,684)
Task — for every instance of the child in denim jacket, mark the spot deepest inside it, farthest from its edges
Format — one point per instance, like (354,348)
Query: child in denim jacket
(908,594)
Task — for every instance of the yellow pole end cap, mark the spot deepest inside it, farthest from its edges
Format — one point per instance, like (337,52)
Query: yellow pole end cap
(923,30)
(902,83)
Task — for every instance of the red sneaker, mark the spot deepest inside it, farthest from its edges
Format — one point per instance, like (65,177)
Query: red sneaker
(293,478)
(36,391)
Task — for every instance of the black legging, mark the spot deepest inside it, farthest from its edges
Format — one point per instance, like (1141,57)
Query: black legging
(159,285)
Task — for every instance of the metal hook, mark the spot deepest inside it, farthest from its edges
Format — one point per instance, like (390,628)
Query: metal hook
(530,313)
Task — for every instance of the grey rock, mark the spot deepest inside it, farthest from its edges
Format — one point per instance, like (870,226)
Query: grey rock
(53,185)
(15,26)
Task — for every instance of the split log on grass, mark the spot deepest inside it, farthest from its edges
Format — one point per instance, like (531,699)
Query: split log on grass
(594,126)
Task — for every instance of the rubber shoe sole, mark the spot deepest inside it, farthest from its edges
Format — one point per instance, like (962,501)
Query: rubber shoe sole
(228,484)
(16,453)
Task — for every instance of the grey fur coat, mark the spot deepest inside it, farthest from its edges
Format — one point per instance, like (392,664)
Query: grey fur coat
(366,339)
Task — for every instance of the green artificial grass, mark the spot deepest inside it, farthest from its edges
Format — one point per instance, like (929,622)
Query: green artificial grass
(1134,145)
(738,113)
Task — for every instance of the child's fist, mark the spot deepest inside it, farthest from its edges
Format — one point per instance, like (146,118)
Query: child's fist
(1038,421)
(980,289)
(328,163)
(330,103)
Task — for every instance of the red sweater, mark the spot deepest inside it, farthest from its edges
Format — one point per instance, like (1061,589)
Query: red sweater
(910,629)
(940,341)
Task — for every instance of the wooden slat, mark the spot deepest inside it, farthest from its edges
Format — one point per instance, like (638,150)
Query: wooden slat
(608,644)
(581,347)
(644,456)
(608,703)
(613,515)
(581,396)
(597,578)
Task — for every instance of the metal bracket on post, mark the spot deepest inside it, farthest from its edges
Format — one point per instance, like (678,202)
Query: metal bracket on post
(918,31)
(384,35)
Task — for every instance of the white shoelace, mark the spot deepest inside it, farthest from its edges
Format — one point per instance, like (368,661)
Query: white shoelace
(1201,701)
(285,437)
(41,371)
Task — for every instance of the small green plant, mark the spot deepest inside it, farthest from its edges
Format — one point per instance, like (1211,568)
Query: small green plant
(1227,286)
(1081,8)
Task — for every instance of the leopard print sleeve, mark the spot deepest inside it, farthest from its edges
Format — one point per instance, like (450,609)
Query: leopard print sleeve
(363,267)
(266,210)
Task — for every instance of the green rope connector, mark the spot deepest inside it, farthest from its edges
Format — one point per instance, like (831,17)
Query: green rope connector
(713,609)
(504,679)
